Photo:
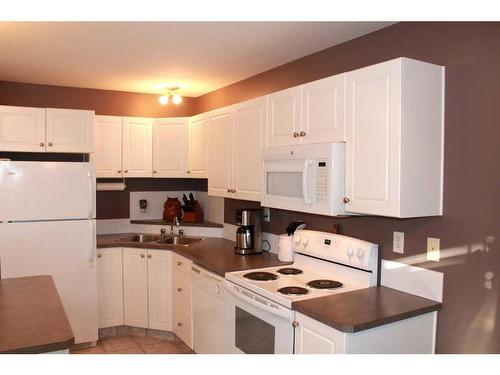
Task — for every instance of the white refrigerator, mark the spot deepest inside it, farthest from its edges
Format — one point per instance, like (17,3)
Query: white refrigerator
(47,227)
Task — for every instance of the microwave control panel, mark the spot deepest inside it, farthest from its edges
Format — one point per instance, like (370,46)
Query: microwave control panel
(321,181)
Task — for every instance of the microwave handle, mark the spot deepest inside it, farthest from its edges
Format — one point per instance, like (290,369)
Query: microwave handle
(306,175)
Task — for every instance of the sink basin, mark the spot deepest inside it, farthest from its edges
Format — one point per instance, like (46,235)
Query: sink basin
(182,241)
(143,238)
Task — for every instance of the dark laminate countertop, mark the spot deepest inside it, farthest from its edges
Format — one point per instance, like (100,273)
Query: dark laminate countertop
(182,223)
(214,254)
(32,317)
(365,308)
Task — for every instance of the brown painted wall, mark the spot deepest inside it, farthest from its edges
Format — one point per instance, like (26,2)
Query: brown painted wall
(104,102)
(470,319)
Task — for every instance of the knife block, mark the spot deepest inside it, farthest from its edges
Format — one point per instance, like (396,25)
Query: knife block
(194,216)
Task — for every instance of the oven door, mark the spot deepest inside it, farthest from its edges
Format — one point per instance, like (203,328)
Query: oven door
(256,325)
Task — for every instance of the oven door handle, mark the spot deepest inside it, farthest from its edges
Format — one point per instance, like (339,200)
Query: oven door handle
(306,176)
(284,314)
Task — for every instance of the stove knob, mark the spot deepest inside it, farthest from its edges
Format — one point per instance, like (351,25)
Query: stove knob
(350,252)
(360,253)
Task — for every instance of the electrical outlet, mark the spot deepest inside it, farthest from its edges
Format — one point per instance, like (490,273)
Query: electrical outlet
(433,251)
(398,242)
(266,214)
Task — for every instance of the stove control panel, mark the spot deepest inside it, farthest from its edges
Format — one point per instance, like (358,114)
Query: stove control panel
(337,248)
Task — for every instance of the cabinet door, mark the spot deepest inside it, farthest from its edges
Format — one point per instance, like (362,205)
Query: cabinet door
(22,129)
(170,147)
(70,130)
(313,337)
(110,287)
(283,124)
(137,147)
(160,290)
(198,129)
(323,104)
(372,139)
(250,118)
(135,287)
(108,147)
(220,156)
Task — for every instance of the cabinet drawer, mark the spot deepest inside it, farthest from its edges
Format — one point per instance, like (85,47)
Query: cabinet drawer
(183,324)
(181,264)
(181,293)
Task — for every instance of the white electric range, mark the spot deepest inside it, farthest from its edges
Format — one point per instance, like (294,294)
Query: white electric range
(259,315)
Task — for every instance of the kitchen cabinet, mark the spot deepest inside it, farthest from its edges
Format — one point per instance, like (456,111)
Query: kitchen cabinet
(22,129)
(46,130)
(394,139)
(197,146)
(235,145)
(170,147)
(110,287)
(313,337)
(310,113)
(108,147)
(182,310)
(137,147)
(146,288)
(69,130)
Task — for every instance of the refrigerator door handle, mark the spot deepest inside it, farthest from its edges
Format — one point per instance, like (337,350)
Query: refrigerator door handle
(91,195)
(92,243)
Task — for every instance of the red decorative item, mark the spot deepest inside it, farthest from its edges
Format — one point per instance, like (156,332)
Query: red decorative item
(194,216)
(172,209)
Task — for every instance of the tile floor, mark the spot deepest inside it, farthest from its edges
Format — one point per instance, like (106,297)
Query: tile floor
(136,345)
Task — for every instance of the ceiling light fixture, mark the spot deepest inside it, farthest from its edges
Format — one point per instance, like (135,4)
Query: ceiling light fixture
(171,92)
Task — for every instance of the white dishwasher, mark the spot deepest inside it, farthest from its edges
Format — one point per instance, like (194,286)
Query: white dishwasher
(208,311)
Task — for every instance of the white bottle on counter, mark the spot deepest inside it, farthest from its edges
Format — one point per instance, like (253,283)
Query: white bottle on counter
(285,248)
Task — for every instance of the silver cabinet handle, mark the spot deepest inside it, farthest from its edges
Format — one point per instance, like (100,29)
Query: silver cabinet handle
(42,144)
(142,255)
(346,200)
(295,134)
(302,133)
(295,324)
(149,256)
(99,255)
(179,290)
(179,263)
(50,144)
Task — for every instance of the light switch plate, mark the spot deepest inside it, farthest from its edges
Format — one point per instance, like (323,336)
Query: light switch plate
(398,242)
(433,250)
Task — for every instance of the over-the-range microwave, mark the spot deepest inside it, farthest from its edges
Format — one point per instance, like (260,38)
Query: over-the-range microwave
(306,178)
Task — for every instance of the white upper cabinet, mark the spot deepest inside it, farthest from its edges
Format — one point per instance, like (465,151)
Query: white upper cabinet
(137,147)
(69,130)
(394,139)
(236,139)
(250,120)
(22,129)
(220,154)
(197,147)
(323,110)
(283,123)
(108,147)
(170,144)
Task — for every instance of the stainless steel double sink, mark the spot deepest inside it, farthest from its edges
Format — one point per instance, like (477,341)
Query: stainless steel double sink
(172,240)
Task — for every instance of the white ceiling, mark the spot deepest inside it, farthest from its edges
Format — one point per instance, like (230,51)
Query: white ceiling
(144,56)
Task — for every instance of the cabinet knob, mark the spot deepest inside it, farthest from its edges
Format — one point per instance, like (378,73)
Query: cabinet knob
(119,171)
(42,144)
(295,324)
(295,134)
(346,200)
(188,172)
(142,255)
(228,190)
(302,133)
(50,144)
(179,263)
(155,171)
(126,171)
(99,255)
(179,324)
(179,290)
(149,256)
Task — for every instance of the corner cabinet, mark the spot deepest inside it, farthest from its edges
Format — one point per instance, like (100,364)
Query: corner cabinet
(197,146)
(26,129)
(394,139)
(235,147)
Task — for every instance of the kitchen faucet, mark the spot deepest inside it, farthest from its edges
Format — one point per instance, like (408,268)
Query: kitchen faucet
(176,223)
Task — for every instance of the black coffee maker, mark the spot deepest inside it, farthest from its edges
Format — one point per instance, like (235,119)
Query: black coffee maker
(249,232)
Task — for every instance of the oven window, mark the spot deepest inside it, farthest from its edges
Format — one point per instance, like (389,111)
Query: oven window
(253,335)
(284,184)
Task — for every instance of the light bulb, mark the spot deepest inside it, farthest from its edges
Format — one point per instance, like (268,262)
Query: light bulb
(177,99)
(163,99)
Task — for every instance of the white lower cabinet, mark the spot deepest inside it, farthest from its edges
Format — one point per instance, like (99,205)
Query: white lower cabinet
(160,290)
(409,336)
(181,297)
(110,287)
